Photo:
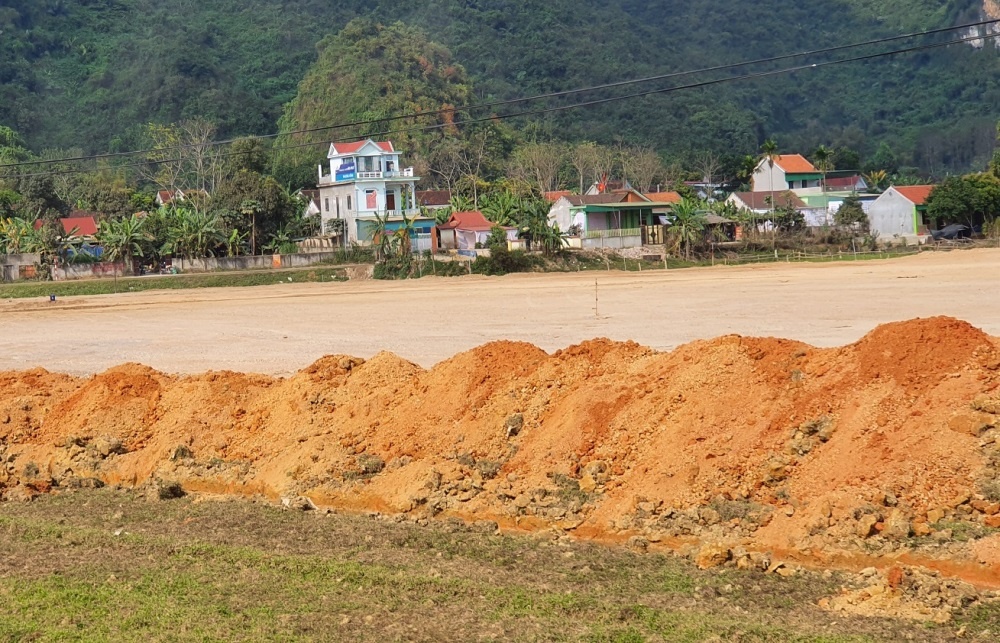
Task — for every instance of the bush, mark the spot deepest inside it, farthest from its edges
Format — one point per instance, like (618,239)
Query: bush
(502,261)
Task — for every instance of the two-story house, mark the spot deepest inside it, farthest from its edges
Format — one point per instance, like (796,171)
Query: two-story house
(366,180)
(786,172)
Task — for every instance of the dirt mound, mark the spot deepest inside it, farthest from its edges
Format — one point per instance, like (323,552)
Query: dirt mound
(884,447)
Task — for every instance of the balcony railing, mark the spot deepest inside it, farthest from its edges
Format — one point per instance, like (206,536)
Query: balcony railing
(612,234)
(395,174)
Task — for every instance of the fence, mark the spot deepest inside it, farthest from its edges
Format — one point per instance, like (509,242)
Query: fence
(612,239)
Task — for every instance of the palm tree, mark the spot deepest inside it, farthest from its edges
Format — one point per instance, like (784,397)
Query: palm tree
(769,152)
(687,225)
(824,162)
(122,240)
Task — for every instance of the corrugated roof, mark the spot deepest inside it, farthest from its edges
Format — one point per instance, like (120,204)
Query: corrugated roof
(916,193)
(351,148)
(759,200)
(795,164)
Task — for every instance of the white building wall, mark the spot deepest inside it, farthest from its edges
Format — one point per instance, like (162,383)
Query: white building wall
(891,215)
(560,214)
(768,177)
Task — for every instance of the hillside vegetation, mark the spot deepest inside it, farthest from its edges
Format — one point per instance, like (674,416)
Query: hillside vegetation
(91,73)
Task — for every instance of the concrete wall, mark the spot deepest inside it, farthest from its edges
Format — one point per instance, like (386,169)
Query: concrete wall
(74,271)
(616,243)
(891,214)
(19,266)
(255,262)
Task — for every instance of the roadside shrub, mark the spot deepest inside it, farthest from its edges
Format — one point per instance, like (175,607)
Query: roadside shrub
(502,261)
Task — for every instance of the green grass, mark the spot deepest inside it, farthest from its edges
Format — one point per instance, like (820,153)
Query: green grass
(172,282)
(187,570)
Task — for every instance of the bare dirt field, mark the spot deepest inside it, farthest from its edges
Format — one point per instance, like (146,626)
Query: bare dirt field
(281,328)
(876,454)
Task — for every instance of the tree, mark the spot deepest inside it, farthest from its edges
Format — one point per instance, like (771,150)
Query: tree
(823,158)
(584,157)
(708,166)
(539,163)
(502,208)
(369,71)
(687,224)
(769,153)
(972,199)
(851,214)
(18,235)
(122,239)
(256,203)
(194,234)
(646,167)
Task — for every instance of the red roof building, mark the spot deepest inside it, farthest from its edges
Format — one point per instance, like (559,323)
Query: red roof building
(351,148)
(663,197)
(555,195)
(465,231)
(917,194)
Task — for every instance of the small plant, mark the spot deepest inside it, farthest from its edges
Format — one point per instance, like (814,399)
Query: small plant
(488,468)
(370,465)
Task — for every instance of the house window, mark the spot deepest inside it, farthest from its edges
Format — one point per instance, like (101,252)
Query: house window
(371,200)
(326,203)
(348,203)
(336,204)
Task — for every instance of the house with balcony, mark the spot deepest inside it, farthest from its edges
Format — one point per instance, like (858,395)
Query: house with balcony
(364,181)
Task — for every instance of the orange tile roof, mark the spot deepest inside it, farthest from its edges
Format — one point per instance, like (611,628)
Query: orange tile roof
(916,193)
(350,148)
(555,195)
(795,164)
(663,197)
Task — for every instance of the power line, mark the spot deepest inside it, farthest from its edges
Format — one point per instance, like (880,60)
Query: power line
(512,101)
(590,103)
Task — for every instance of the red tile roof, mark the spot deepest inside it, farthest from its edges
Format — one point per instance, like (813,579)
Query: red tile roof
(845,182)
(915,193)
(663,197)
(85,226)
(433,197)
(166,196)
(474,221)
(555,195)
(351,148)
(795,164)
(759,200)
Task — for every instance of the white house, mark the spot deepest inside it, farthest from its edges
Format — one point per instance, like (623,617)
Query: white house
(786,172)
(366,180)
(901,212)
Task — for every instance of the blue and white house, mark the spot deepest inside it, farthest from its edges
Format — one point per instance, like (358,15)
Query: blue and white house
(363,180)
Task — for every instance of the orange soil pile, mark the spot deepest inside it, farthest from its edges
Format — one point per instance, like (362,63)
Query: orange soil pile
(763,441)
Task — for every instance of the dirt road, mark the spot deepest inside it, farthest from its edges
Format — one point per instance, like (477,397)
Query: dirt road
(279,329)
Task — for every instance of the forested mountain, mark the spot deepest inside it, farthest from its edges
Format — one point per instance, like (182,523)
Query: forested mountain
(91,74)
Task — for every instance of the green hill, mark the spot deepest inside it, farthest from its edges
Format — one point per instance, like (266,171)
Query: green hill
(90,73)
